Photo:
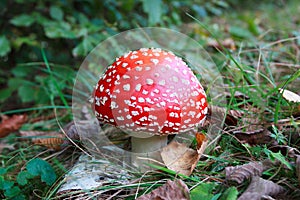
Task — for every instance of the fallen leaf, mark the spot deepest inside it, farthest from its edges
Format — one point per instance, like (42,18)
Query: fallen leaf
(42,118)
(50,139)
(178,157)
(231,119)
(171,190)
(181,159)
(289,95)
(200,138)
(242,172)
(227,43)
(259,136)
(88,174)
(259,188)
(11,124)
(251,120)
(53,139)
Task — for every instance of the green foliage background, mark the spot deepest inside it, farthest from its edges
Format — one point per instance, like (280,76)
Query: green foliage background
(68,31)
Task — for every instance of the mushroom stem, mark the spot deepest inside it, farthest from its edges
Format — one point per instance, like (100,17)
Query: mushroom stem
(143,148)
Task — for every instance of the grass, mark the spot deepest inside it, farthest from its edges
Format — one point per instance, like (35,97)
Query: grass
(251,70)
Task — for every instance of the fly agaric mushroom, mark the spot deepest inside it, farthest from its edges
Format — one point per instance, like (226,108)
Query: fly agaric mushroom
(150,93)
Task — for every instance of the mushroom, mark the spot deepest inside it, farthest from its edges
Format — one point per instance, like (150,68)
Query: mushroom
(150,93)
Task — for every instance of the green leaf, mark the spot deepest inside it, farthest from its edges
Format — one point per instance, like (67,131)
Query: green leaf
(40,19)
(19,197)
(12,192)
(83,19)
(253,27)
(30,41)
(22,71)
(3,170)
(23,177)
(56,13)
(23,20)
(83,48)
(4,184)
(26,93)
(4,94)
(59,30)
(230,194)
(154,10)
(277,156)
(203,191)
(39,167)
(4,45)
(239,32)
(15,83)
(128,5)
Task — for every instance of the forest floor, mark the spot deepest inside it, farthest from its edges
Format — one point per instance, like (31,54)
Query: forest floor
(255,154)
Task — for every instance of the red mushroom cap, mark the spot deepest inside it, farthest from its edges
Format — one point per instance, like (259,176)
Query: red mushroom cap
(150,90)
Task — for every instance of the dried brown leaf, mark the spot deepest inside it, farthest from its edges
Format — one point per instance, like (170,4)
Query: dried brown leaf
(42,118)
(71,131)
(259,136)
(200,138)
(242,172)
(251,120)
(232,116)
(227,43)
(169,191)
(260,188)
(50,139)
(11,124)
(181,159)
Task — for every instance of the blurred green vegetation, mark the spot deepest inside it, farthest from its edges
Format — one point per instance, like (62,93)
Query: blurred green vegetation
(69,30)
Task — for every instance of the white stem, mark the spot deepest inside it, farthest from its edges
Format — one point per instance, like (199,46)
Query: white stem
(147,148)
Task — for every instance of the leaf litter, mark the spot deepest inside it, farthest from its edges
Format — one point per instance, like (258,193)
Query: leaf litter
(50,139)
(260,188)
(249,130)
(241,173)
(171,190)
(182,159)
(11,124)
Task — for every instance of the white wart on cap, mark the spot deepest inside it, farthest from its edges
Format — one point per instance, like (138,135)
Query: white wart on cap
(151,91)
